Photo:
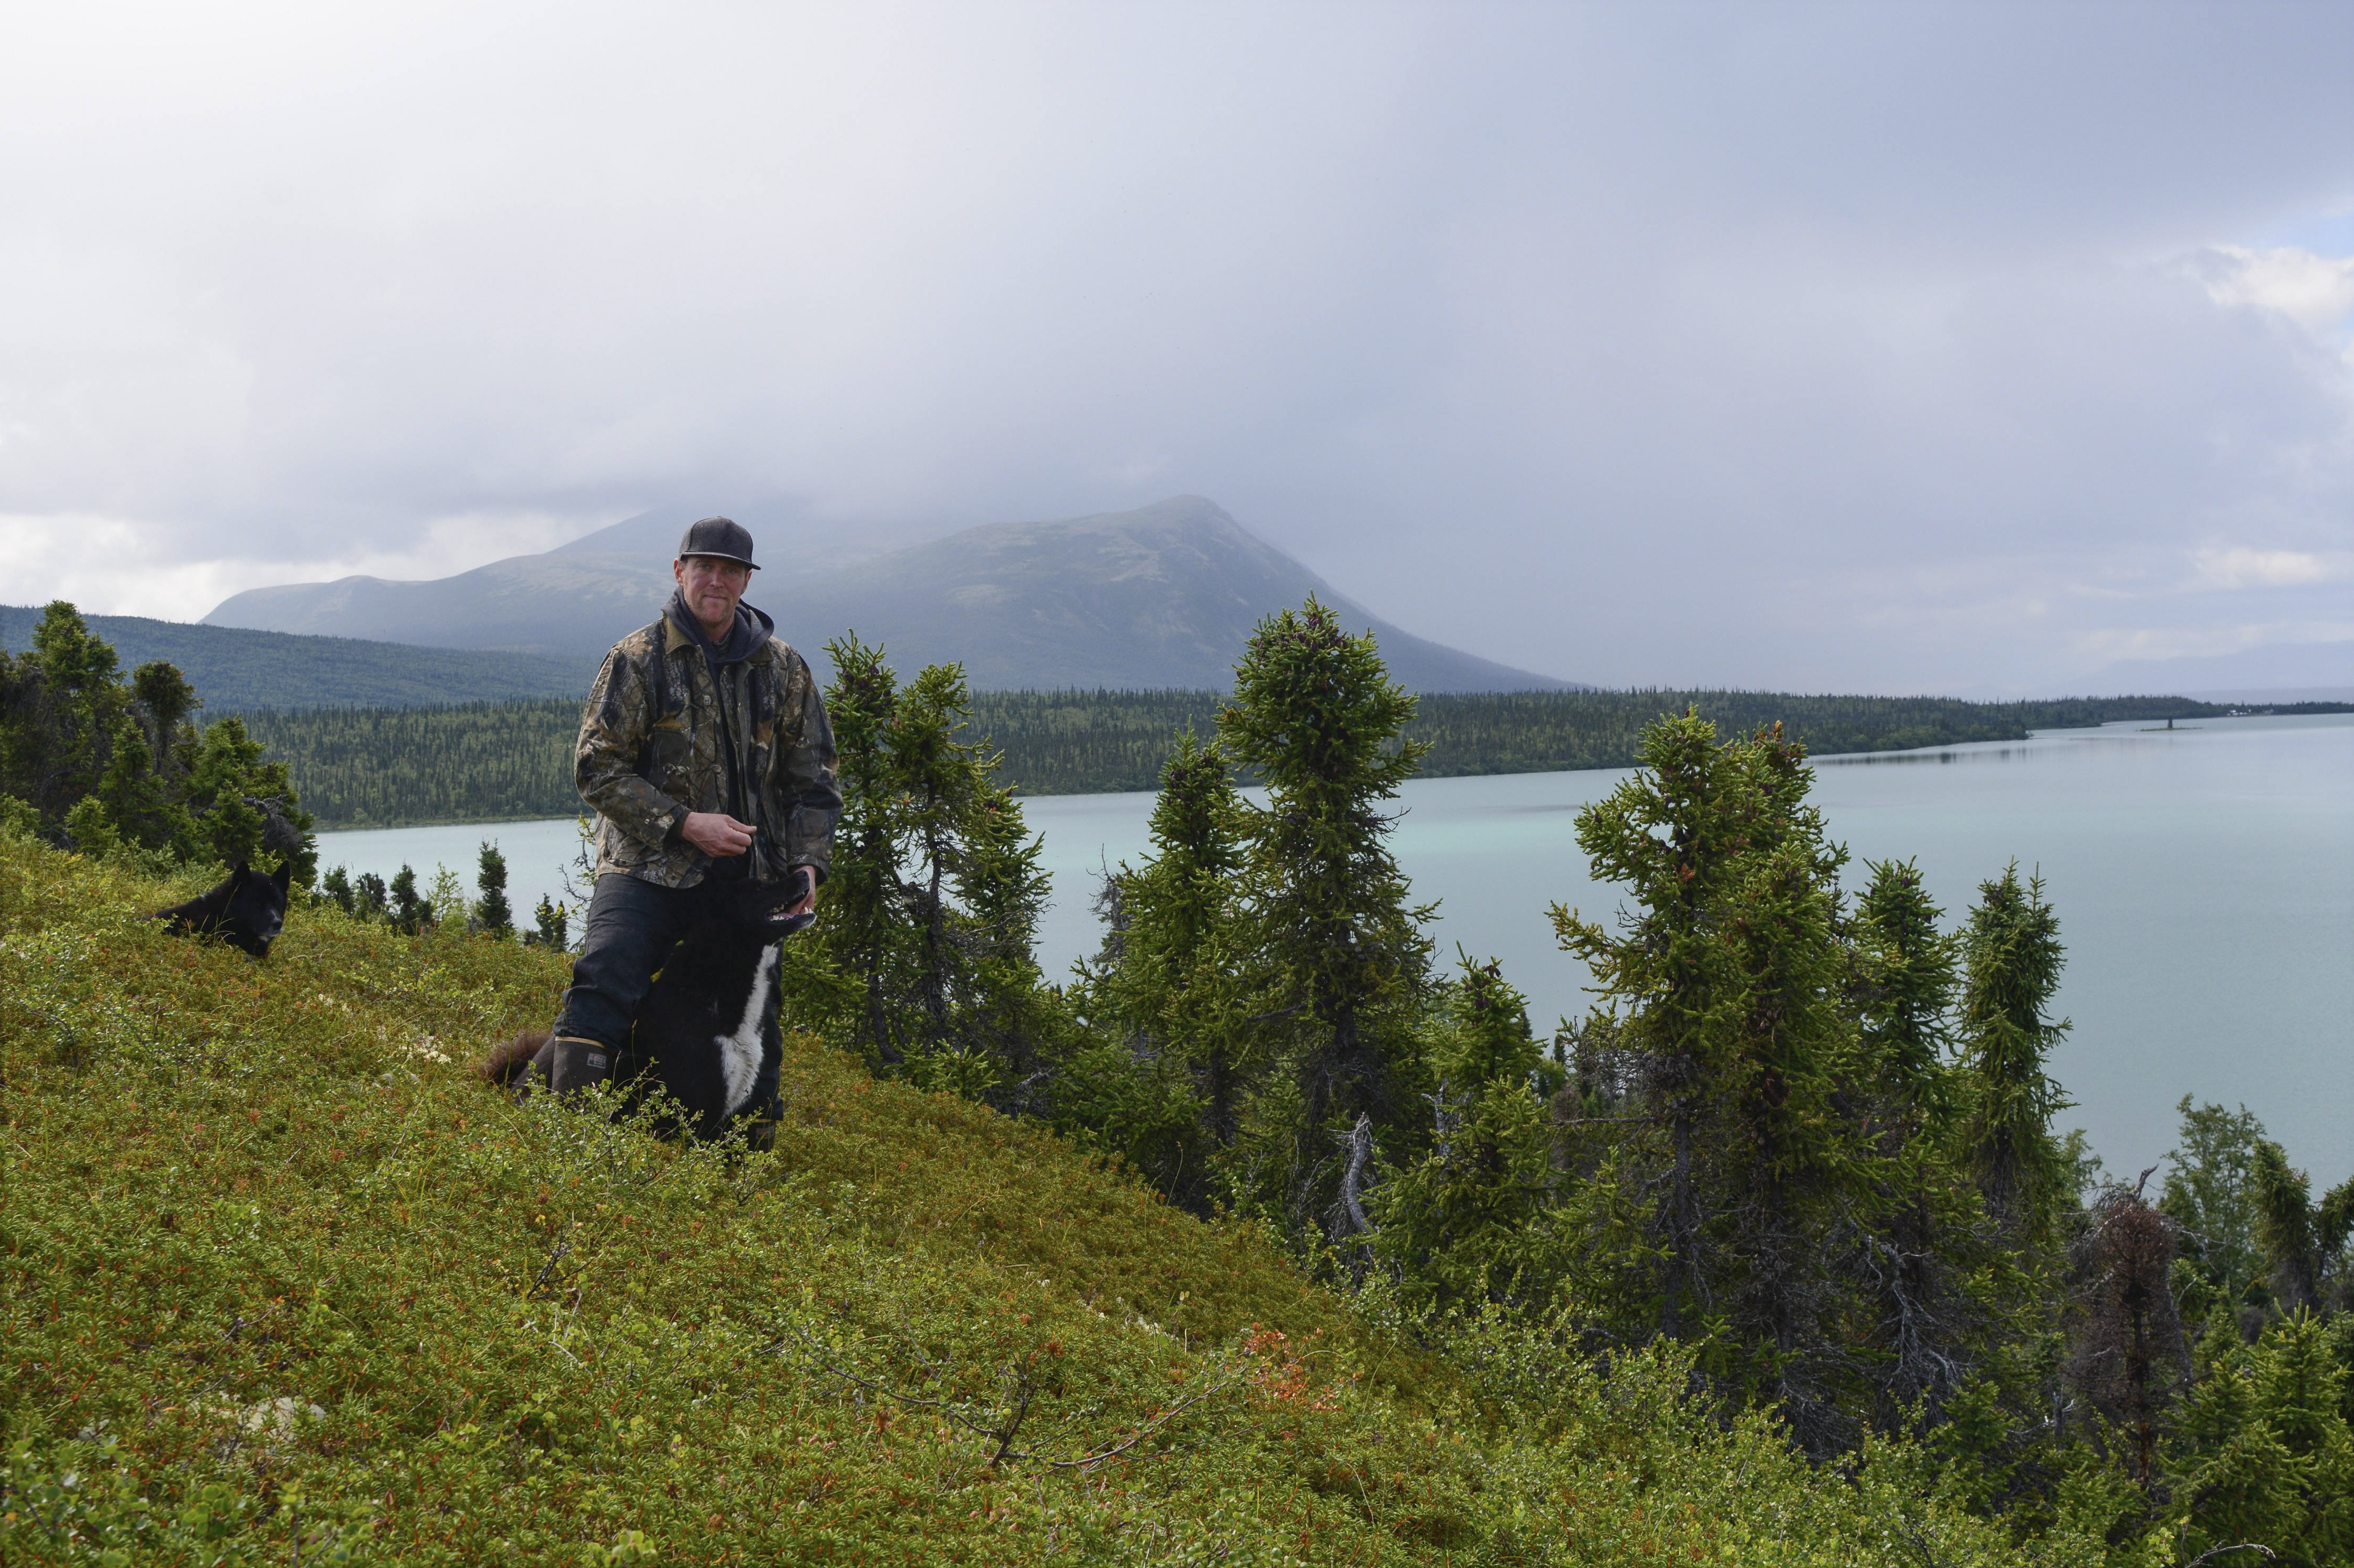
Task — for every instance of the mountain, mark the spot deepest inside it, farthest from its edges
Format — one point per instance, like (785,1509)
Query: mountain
(565,604)
(570,603)
(237,670)
(1162,597)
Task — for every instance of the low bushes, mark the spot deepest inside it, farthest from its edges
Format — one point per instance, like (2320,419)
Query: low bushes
(278,1279)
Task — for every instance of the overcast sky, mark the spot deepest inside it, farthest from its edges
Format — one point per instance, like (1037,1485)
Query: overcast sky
(1885,346)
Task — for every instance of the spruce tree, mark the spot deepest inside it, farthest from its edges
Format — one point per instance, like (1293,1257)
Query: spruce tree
(62,705)
(1164,987)
(1746,1168)
(242,806)
(166,700)
(2209,1194)
(2264,1451)
(1009,1010)
(1922,1254)
(2304,1243)
(372,900)
(410,911)
(1464,1225)
(493,915)
(137,801)
(1904,986)
(863,929)
(936,791)
(2013,956)
(1159,1081)
(1336,958)
(1727,972)
(923,961)
(89,829)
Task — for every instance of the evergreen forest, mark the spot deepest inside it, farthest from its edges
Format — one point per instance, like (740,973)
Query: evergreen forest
(1271,1236)
(401,766)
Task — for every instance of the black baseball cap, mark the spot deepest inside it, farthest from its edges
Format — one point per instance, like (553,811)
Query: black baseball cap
(721,536)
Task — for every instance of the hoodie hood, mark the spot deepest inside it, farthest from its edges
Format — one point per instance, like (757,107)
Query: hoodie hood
(751,629)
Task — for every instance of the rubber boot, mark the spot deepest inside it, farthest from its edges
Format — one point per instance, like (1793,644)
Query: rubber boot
(574,1065)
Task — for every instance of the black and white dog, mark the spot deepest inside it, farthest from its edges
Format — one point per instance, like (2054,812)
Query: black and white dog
(706,1032)
(247,911)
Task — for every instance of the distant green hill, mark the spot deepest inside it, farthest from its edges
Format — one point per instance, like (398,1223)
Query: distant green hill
(513,761)
(236,669)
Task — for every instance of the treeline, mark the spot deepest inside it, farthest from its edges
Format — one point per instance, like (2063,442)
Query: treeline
(1542,732)
(389,767)
(109,762)
(481,762)
(1063,743)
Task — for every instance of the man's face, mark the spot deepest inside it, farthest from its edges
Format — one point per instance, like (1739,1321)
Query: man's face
(712,586)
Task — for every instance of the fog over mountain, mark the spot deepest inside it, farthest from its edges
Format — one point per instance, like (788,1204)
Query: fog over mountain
(1805,346)
(1161,597)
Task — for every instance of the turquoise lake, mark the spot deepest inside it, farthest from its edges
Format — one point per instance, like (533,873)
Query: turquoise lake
(2204,877)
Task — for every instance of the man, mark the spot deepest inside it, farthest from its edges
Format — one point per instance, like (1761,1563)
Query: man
(705,749)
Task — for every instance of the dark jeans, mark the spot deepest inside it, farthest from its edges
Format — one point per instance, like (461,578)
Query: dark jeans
(632,927)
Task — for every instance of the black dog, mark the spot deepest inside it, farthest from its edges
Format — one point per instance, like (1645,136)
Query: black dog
(706,1032)
(247,911)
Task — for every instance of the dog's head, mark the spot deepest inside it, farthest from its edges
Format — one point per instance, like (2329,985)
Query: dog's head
(762,907)
(255,911)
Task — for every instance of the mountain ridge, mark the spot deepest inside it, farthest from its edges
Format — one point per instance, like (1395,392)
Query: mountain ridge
(238,670)
(1159,597)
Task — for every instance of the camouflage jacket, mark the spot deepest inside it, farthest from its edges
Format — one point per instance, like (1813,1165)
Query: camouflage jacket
(652,748)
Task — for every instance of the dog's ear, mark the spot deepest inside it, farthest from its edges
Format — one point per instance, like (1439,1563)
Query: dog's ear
(285,877)
(240,873)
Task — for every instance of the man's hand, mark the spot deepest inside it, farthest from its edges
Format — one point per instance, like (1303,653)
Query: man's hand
(715,834)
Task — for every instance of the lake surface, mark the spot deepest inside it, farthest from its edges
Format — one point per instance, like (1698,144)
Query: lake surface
(2203,878)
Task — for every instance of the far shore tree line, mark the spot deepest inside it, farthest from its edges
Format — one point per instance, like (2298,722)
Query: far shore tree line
(1808,1129)
(400,766)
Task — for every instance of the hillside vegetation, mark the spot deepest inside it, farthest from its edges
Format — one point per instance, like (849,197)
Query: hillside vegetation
(275,1272)
(383,766)
(1263,1237)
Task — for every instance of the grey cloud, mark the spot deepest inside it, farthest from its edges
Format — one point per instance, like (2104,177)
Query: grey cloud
(1853,346)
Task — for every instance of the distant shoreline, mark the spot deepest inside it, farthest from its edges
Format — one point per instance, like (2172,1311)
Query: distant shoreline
(486,763)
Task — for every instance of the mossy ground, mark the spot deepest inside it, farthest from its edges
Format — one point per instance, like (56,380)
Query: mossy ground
(276,1274)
